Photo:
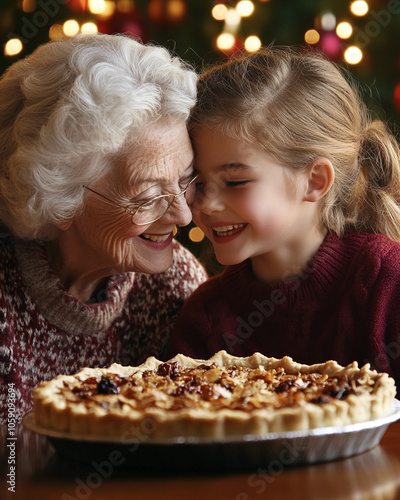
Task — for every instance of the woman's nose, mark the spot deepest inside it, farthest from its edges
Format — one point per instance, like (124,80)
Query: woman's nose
(179,212)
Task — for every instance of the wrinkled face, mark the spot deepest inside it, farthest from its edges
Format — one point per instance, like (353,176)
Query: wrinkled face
(162,163)
(247,204)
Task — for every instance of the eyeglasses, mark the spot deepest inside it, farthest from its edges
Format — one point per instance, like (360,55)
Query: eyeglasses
(150,211)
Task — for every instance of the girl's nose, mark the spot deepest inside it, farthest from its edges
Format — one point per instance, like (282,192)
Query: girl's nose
(209,200)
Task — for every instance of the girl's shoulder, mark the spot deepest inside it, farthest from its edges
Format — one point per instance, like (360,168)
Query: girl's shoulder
(373,244)
(376,253)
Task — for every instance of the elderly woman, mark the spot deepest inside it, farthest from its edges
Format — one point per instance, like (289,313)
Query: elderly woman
(96,170)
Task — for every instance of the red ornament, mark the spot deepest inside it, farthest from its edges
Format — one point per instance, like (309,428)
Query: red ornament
(131,23)
(331,44)
(396,97)
(78,5)
(167,14)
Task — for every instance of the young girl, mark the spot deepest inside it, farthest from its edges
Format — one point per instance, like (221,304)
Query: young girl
(299,192)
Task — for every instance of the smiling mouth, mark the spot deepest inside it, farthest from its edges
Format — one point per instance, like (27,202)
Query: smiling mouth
(228,230)
(155,238)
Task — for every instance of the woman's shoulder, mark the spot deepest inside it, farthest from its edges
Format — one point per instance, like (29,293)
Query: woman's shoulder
(185,262)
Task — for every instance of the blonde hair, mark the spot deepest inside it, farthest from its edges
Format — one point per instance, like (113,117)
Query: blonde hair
(296,106)
(69,110)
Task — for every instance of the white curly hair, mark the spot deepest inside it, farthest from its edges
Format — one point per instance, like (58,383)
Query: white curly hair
(70,108)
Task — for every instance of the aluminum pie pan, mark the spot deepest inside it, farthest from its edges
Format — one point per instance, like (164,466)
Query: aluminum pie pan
(230,453)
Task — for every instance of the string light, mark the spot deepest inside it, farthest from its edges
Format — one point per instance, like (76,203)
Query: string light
(125,6)
(29,5)
(353,55)
(71,27)
(89,28)
(312,37)
(219,12)
(252,43)
(225,41)
(109,9)
(344,30)
(232,19)
(245,8)
(328,21)
(196,234)
(56,32)
(97,6)
(359,8)
(13,47)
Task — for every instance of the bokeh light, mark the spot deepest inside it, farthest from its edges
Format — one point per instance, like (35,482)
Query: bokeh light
(13,47)
(56,32)
(89,28)
(353,55)
(344,30)
(328,21)
(97,6)
(359,8)
(245,8)
(252,43)
(225,41)
(196,234)
(71,27)
(311,37)
(219,11)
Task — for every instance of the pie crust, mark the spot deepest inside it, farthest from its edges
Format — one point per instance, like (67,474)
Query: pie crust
(215,398)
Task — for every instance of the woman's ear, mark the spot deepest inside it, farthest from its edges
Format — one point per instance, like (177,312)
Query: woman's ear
(320,179)
(64,225)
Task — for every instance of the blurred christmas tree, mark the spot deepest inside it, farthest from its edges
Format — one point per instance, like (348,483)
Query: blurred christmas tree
(359,35)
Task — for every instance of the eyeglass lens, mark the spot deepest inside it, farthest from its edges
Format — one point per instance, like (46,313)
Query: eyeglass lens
(156,208)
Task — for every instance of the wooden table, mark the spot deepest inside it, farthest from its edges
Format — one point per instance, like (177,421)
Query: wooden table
(42,474)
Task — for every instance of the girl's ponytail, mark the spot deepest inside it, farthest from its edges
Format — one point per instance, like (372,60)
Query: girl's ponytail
(376,192)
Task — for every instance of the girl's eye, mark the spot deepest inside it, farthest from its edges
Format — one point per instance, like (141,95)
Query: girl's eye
(200,188)
(234,183)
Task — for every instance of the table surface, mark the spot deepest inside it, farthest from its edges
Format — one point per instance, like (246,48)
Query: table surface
(43,474)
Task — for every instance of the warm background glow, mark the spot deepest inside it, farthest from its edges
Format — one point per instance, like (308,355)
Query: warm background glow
(359,35)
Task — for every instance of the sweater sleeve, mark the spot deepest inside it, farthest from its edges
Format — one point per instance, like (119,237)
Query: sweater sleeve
(386,300)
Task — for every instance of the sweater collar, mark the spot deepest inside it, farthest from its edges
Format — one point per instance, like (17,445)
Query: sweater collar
(321,279)
(57,305)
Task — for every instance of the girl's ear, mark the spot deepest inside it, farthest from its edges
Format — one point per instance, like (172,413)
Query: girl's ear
(320,179)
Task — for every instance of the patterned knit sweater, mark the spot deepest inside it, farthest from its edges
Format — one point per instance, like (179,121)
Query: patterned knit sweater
(346,306)
(45,331)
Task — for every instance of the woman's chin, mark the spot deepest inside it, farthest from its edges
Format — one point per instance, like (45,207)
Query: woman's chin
(159,264)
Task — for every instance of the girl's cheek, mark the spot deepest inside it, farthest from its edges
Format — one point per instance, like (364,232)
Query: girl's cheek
(196,213)
(197,220)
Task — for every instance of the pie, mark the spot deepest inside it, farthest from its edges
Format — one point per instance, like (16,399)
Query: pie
(215,398)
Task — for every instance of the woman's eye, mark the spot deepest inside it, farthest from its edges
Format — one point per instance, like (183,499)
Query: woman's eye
(184,182)
(234,183)
(148,205)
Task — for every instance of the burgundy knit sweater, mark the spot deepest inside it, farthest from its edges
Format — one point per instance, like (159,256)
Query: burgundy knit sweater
(44,331)
(346,307)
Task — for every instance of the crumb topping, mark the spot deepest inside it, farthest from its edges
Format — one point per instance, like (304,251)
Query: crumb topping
(212,387)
